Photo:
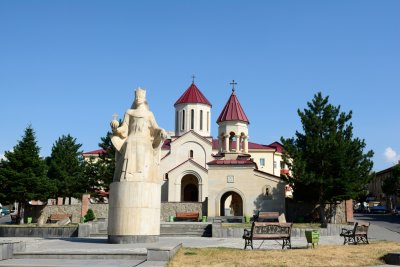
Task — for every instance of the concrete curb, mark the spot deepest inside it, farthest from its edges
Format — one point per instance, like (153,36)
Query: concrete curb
(164,253)
(8,248)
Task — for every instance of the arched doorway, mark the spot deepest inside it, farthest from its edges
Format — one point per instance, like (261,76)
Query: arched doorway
(231,204)
(189,188)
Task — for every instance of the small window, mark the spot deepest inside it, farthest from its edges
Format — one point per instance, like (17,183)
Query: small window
(183,120)
(262,162)
(267,192)
(192,119)
(208,121)
(176,121)
(201,120)
(191,154)
(166,177)
(282,165)
(274,164)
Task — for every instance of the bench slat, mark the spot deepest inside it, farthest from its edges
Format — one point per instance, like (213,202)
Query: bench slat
(359,233)
(268,231)
(187,215)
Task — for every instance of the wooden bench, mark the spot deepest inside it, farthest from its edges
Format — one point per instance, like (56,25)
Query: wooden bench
(267,216)
(358,234)
(55,217)
(193,215)
(268,231)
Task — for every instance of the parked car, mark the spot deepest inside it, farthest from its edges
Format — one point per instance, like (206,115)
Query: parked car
(361,207)
(4,211)
(378,209)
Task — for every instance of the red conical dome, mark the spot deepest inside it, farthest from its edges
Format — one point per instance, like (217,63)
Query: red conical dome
(192,95)
(233,111)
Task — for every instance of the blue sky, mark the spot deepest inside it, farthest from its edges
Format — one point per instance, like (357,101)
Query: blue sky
(67,66)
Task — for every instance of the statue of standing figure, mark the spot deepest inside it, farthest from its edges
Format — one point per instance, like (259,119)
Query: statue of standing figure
(137,141)
(135,193)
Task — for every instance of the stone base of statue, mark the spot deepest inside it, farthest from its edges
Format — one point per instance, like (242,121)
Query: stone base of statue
(134,212)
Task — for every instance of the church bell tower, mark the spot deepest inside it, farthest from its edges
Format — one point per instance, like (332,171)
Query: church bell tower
(233,132)
(193,112)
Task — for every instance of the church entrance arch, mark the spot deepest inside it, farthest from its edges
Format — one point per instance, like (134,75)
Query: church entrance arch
(189,188)
(231,204)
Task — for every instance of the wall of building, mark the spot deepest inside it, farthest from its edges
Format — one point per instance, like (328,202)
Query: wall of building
(250,185)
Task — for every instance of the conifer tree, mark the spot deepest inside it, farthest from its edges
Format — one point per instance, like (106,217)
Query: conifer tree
(23,173)
(100,171)
(66,167)
(108,160)
(327,163)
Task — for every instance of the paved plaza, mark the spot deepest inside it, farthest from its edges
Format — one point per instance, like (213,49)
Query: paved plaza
(99,248)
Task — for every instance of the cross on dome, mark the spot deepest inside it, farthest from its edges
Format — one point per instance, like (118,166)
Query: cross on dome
(233,86)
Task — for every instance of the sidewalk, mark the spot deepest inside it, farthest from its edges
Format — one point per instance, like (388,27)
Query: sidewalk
(100,243)
(99,246)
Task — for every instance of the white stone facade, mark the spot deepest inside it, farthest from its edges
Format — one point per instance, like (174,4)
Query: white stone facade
(232,186)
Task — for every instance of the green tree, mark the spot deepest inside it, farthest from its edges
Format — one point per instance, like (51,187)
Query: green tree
(66,167)
(99,171)
(327,163)
(108,160)
(24,173)
(391,184)
(3,184)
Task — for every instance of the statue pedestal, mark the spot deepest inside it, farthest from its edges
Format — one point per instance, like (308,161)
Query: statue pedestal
(134,212)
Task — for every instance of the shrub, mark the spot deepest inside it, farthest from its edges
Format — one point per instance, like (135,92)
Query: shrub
(89,216)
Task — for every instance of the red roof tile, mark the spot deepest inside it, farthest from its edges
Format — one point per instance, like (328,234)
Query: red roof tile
(95,152)
(278,146)
(215,145)
(233,111)
(192,95)
(230,162)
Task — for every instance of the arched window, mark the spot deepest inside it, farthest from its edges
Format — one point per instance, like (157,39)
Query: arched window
(201,120)
(232,139)
(208,121)
(191,154)
(192,119)
(176,121)
(183,120)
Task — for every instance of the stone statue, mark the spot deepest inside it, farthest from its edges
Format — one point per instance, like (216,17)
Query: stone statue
(137,142)
(135,193)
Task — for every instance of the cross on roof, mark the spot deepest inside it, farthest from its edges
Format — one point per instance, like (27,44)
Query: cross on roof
(193,78)
(233,85)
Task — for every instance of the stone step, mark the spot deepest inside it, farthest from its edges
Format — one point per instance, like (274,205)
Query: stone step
(176,229)
(72,263)
(186,229)
(81,255)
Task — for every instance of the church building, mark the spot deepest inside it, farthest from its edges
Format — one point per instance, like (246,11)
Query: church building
(234,176)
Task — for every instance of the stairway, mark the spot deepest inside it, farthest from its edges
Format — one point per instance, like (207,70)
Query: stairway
(186,229)
(174,229)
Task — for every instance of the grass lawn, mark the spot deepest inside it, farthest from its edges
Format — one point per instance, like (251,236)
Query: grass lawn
(323,255)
